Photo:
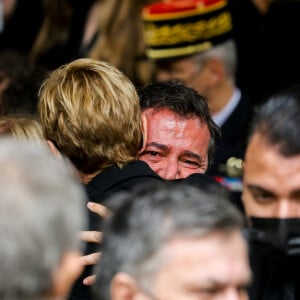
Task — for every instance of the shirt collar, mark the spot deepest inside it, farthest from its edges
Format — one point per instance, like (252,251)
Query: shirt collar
(221,117)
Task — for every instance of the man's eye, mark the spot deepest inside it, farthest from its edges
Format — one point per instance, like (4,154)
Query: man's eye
(192,163)
(208,293)
(263,197)
(152,153)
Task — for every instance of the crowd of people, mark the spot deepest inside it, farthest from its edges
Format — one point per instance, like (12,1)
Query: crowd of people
(141,157)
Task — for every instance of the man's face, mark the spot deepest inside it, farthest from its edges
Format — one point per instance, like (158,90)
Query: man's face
(176,147)
(187,69)
(271,181)
(213,267)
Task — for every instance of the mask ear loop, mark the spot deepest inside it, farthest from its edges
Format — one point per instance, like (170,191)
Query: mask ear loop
(144,134)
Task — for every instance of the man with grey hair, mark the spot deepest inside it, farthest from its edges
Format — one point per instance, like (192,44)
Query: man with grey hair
(173,242)
(41,213)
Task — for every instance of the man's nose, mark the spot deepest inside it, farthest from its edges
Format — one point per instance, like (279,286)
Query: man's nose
(287,208)
(171,171)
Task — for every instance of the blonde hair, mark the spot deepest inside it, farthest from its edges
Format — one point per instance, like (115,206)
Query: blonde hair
(121,39)
(90,111)
(20,127)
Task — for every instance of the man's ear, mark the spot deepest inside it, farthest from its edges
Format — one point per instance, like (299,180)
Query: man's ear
(144,132)
(216,71)
(123,287)
(54,150)
(65,274)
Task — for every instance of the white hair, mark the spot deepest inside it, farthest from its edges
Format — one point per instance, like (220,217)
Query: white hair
(41,212)
(226,52)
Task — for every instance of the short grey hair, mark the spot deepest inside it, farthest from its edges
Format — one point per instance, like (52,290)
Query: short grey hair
(226,52)
(150,216)
(41,212)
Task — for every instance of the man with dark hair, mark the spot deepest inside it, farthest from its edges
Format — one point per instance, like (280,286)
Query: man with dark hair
(180,132)
(271,197)
(192,247)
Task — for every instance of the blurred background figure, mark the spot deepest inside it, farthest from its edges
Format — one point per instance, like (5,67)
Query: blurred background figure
(59,31)
(50,47)
(120,39)
(21,22)
(68,30)
(64,30)
(41,211)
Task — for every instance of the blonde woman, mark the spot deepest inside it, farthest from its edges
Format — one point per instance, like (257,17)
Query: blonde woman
(90,112)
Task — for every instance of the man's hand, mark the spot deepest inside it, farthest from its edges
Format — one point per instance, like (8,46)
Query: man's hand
(99,209)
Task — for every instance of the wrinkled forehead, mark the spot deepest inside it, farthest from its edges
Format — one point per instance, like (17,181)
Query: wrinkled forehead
(161,113)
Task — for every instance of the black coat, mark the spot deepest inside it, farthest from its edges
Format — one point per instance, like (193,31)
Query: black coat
(232,144)
(234,136)
(111,180)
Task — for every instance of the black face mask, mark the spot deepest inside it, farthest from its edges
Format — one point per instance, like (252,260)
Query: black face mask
(276,236)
